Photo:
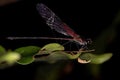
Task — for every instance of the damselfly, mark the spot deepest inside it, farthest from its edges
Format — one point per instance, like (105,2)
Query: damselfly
(54,22)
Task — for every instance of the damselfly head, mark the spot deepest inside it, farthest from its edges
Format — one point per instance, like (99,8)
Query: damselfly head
(89,41)
(84,43)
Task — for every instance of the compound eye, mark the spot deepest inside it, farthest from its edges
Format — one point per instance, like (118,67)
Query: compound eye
(89,41)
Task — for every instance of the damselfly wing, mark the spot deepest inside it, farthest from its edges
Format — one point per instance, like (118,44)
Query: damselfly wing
(54,22)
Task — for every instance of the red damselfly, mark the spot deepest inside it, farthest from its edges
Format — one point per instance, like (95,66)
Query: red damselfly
(54,22)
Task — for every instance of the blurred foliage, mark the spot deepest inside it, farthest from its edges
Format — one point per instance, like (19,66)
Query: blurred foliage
(8,58)
(5,2)
(51,71)
(101,43)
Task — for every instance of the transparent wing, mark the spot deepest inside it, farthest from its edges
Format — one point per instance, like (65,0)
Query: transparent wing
(52,20)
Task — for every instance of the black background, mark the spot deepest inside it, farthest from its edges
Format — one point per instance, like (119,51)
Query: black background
(87,18)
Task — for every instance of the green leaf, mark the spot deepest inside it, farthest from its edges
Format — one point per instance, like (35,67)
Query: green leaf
(27,54)
(53,47)
(99,59)
(28,50)
(85,58)
(58,56)
(26,60)
(49,48)
(54,57)
(93,58)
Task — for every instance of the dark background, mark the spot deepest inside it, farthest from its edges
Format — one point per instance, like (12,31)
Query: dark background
(87,18)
